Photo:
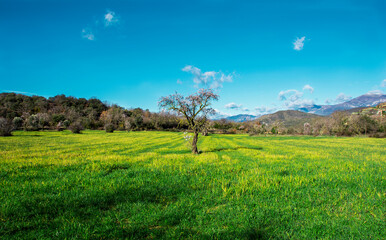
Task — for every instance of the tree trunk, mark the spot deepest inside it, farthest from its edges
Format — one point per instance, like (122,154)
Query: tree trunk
(194,143)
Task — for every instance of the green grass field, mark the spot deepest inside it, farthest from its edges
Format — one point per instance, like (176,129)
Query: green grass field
(147,185)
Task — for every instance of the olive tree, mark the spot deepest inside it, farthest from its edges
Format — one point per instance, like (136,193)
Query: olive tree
(6,127)
(195,108)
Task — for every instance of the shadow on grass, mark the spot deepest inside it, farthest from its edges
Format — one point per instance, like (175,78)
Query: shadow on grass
(26,136)
(232,149)
(161,232)
(85,205)
(187,151)
(283,173)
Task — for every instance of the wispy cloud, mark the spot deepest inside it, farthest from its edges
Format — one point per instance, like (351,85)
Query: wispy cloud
(13,91)
(179,81)
(88,34)
(233,106)
(342,98)
(110,18)
(210,79)
(309,88)
(299,43)
(383,83)
(375,92)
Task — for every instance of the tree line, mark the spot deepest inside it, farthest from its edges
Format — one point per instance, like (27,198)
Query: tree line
(339,123)
(32,113)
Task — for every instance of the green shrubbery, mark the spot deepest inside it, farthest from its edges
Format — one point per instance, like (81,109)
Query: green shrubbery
(76,127)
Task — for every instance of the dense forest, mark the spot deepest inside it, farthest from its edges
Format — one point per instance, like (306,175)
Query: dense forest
(32,113)
(61,112)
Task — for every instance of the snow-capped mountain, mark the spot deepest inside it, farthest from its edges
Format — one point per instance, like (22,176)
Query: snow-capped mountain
(366,100)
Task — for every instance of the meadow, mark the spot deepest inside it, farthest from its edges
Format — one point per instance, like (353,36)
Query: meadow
(148,185)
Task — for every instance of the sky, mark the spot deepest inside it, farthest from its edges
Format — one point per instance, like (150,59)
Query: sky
(259,56)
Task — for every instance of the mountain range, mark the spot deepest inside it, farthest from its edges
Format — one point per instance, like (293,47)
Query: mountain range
(366,100)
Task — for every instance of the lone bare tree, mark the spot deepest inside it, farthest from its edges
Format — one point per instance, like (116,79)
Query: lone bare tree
(195,108)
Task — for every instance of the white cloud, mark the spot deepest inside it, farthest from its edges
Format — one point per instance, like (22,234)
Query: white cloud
(328,101)
(196,73)
(299,103)
(192,69)
(233,105)
(342,98)
(110,18)
(309,88)
(210,79)
(88,34)
(265,110)
(290,94)
(299,43)
(383,83)
(374,92)
(222,113)
(219,115)
(245,109)
(179,81)
(293,98)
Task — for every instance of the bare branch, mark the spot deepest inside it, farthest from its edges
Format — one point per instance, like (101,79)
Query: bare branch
(195,108)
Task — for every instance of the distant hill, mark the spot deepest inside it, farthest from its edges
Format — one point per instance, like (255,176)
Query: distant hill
(380,109)
(366,100)
(290,118)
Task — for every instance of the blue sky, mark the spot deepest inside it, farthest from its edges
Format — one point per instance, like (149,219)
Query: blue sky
(260,55)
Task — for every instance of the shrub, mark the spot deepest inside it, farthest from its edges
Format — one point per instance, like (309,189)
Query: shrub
(6,127)
(378,135)
(59,127)
(17,122)
(43,120)
(138,121)
(76,127)
(128,125)
(109,127)
(32,123)
(307,129)
(57,118)
(232,131)
(66,123)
